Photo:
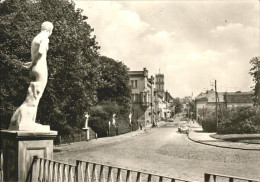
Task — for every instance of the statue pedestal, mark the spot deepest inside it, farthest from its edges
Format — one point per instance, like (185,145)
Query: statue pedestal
(19,147)
(87,132)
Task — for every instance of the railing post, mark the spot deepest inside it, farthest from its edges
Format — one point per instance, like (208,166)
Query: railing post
(87,172)
(33,171)
(231,179)
(110,174)
(54,176)
(50,172)
(40,176)
(1,166)
(70,179)
(206,177)
(149,178)
(65,173)
(138,177)
(78,172)
(118,178)
(44,170)
(128,176)
(160,179)
(101,174)
(94,174)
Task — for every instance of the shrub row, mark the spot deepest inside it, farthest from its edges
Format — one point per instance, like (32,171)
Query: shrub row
(237,120)
(209,124)
(101,115)
(240,120)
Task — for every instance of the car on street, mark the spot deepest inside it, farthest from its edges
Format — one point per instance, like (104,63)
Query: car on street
(184,119)
(170,120)
(183,128)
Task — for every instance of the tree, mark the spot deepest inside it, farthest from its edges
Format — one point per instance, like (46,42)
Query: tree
(255,72)
(79,78)
(114,82)
(178,105)
(72,61)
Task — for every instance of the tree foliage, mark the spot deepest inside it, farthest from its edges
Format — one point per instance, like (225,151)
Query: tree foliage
(78,77)
(178,105)
(239,120)
(255,72)
(114,82)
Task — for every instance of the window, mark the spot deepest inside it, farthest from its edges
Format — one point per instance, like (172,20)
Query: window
(133,97)
(145,98)
(134,83)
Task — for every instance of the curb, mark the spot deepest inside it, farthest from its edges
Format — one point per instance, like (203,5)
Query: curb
(201,142)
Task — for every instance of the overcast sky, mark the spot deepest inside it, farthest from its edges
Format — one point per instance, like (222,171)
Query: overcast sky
(193,43)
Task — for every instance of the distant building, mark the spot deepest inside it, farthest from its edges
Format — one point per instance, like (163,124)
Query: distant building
(159,83)
(164,99)
(234,99)
(207,100)
(142,96)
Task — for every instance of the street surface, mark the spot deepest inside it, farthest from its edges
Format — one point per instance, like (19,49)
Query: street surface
(163,150)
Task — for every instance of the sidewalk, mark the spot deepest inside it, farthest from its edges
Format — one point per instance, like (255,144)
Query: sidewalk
(196,134)
(106,140)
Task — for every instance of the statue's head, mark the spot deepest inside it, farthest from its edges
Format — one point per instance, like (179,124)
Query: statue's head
(47,26)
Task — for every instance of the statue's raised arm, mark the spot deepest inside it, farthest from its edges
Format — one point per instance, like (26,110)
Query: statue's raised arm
(24,117)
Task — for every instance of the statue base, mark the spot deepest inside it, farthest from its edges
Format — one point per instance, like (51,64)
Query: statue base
(87,132)
(30,127)
(19,147)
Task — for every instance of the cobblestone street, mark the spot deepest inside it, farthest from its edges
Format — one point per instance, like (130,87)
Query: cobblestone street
(163,151)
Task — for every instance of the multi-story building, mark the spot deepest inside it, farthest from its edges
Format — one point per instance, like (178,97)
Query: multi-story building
(142,96)
(164,107)
(207,101)
(235,99)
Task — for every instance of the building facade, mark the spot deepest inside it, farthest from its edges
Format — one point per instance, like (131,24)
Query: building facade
(207,101)
(235,99)
(142,96)
(159,83)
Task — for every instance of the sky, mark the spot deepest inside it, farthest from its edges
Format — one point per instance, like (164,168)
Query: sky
(193,43)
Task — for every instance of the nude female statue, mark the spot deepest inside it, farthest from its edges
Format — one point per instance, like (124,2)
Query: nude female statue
(24,117)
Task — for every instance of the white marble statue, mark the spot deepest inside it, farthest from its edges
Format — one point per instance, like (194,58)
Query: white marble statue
(114,119)
(130,118)
(86,122)
(24,117)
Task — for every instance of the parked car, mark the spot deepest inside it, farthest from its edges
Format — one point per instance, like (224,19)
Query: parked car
(184,119)
(170,120)
(183,128)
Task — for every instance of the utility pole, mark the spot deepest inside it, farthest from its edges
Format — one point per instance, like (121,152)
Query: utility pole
(166,98)
(152,119)
(216,102)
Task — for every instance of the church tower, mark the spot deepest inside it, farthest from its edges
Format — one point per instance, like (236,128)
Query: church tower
(159,82)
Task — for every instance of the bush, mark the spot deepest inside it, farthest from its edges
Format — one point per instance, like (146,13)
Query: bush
(101,114)
(225,126)
(209,124)
(240,120)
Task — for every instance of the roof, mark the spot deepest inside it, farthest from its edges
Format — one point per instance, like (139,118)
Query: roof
(210,96)
(239,97)
(229,97)
(138,73)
